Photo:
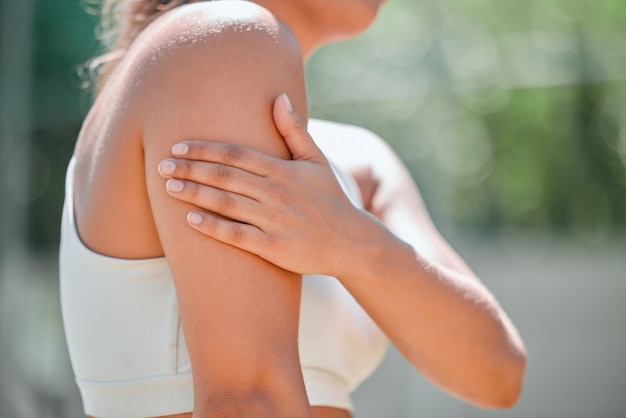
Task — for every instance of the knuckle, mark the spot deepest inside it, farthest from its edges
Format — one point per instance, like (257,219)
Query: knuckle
(297,127)
(273,193)
(266,167)
(280,170)
(211,225)
(274,217)
(184,168)
(280,195)
(226,201)
(192,190)
(222,173)
(233,153)
(197,145)
(196,149)
(236,234)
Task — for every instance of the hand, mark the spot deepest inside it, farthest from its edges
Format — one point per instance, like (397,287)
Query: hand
(292,213)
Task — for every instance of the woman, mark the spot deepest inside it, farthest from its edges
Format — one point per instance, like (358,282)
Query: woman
(134,275)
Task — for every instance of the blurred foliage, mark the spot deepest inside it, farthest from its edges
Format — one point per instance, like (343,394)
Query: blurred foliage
(62,41)
(509,114)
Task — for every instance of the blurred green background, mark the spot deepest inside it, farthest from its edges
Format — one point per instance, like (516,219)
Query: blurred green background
(509,114)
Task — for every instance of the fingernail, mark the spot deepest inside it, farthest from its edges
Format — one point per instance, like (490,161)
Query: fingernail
(174,185)
(194,218)
(287,102)
(180,149)
(167,167)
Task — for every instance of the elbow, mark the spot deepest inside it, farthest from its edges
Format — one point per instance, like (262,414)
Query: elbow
(507,384)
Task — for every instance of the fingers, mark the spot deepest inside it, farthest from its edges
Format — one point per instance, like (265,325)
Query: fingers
(241,157)
(230,205)
(297,138)
(213,174)
(288,123)
(246,237)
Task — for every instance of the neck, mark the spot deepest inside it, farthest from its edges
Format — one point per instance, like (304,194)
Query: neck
(305,29)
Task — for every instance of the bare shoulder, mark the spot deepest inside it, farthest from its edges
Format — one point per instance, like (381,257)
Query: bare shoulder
(200,25)
(200,46)
(204,70)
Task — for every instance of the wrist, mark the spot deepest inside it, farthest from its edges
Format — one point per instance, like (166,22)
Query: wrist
(368,250)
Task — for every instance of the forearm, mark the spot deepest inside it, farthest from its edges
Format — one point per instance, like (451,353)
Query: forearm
(445,323)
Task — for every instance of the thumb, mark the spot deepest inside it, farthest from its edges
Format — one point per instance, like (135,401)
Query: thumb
(292,129)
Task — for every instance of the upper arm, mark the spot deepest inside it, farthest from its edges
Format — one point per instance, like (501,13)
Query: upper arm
(214,75)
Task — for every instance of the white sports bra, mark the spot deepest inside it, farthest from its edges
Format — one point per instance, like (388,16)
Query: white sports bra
(127,346)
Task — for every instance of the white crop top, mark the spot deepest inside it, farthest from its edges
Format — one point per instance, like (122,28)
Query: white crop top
(127,346)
